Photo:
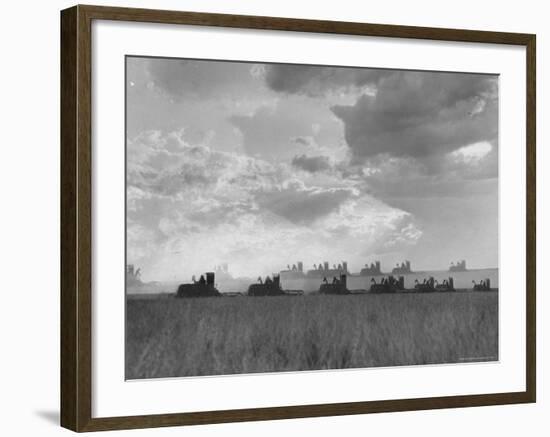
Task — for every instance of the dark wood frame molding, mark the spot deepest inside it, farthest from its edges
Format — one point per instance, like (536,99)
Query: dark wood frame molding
(76,218)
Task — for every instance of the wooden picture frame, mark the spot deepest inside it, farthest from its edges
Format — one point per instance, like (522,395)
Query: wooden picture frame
(76,217)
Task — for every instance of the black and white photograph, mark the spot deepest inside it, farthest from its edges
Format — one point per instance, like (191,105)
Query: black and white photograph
(275,218)
(292,217)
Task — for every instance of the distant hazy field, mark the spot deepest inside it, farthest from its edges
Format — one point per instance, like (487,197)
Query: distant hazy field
(168,337)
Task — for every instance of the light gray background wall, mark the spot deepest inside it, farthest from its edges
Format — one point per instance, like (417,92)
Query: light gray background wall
(29,234)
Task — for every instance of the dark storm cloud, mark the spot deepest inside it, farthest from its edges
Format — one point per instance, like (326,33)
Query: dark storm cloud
(418,114)
(314,80)
(303,206)
(311,164)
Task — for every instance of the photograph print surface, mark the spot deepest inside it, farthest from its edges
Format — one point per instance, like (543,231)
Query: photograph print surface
(286,217)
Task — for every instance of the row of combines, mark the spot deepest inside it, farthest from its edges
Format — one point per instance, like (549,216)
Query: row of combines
(336,286)
(334,281)
(392,285)
(205,287)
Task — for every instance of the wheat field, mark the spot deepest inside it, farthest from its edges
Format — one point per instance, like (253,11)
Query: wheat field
(168,337)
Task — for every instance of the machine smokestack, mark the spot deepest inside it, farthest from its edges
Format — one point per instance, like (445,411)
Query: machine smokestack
(326,265)
(300,266)
(210,278)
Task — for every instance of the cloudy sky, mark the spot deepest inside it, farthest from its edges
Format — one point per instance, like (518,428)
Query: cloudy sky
(261,165)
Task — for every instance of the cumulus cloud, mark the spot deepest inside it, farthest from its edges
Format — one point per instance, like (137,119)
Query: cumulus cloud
(256,164)
(191,206)
(168,165)
(473,152)
(311,164)
(418,114)
(416,132)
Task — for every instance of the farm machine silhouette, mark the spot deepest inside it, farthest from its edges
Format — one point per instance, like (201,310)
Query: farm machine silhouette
(388,285)
(201,288)
(336,286)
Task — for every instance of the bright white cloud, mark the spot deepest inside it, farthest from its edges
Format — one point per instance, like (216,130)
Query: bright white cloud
(191,207)
(473,152)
